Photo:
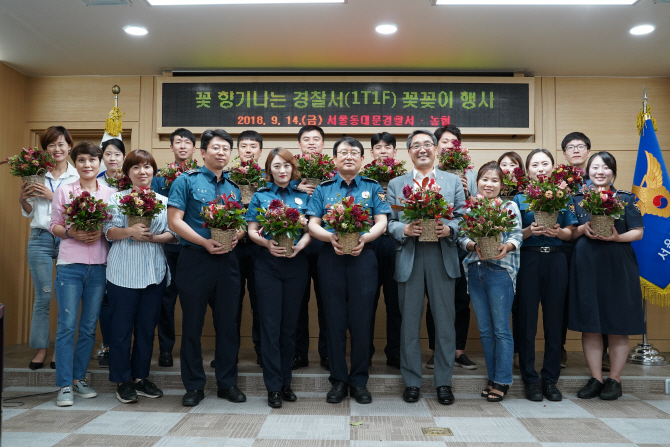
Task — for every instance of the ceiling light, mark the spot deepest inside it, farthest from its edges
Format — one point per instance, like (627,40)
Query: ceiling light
(642,29)
(386,28)
(535,2)
(136,30)
(233,2)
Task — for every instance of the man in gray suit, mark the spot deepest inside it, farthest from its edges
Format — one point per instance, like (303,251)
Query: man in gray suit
(426,264)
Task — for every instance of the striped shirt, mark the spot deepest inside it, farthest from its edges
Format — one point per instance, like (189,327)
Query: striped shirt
(136,264)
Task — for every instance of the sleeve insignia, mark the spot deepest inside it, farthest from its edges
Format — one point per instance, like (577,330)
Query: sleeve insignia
(382,197)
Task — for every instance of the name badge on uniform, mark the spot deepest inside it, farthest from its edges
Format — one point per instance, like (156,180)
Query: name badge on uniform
(298,200)
(366,194)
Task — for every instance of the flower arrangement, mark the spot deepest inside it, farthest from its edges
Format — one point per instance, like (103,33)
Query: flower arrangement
(120,182)
(141,203)
(247,173)
(484,223)
(173,170)
(602,203)
(223,213)
(455,159)
(551,194)
(315,166)
(348,219)
(30,162)
(384,169)
(86,212)
(281,219)
(514,181)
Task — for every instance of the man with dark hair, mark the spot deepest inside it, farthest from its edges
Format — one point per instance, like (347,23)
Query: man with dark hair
(212,273)
(182,145)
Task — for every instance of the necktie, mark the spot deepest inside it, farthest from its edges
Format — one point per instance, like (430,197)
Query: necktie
(282,193)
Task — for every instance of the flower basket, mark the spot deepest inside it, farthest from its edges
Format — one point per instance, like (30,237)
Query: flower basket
(223,237)
(38,179)
(313,181)
(384,185)
(546,219)
(348,241)
(457,172)
(134,220)
(247,191)
(428,232)
(602,225)
(286,242)
(489,246)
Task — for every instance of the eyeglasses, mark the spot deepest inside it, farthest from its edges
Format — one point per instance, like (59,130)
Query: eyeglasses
(580,148)
(220,148)
(418,146)
(353,153)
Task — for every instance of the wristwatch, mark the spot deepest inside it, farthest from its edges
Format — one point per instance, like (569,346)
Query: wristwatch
(67,235)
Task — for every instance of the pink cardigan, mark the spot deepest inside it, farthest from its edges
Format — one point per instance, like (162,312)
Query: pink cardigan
(72,250)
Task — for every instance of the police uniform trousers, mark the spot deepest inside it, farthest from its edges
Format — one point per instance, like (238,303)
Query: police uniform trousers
(213,280)
(542,279)
(312,252)
(385,248)
(247,252)
(348,285)
(166,331)
(279,286)
(428,274)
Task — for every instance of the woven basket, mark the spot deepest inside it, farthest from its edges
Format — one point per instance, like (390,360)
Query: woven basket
(34,180)
(602,225)
(489,246)
(348,241)
(223,237)
(312,181)
(546,219)
(428,233)
(134,220)
(247,191)
(286,242)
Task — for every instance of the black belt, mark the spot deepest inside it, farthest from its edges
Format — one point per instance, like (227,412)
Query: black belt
(196,247)
(558,249)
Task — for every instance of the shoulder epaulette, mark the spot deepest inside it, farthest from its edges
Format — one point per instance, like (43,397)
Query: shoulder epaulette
(192,171)
(367,179)
(621,191)
(295,188)
(327,182)
(236,185)
(263,189)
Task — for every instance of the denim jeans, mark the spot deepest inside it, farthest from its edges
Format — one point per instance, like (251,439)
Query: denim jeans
(492,294)
(75,284)
(42,251)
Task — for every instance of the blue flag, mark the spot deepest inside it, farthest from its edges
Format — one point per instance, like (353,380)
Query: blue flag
(651,185)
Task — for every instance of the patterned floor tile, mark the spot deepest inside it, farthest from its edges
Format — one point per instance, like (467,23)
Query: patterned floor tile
(397,444)
(392,428)
(523,408)
(179,441)
(573,396)
(486,430)
(663,405)
(476,408)
(132,423)
(25,400)
(493,444)
(219,425)
(96,440)
(313,405)
(103,402)
(163,404)
(32,439)
(390,406)
(621,409)
(642,431)
(47,421)
(305,427)
(655,396)
(560,444)
(300,443)
(571,430)
(212,404)
(8,413)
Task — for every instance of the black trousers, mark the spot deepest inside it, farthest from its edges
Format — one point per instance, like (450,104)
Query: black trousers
(541,280)
(462,320)
(312,251)
(385,251)
(247,252)
(166,331)
(279,283)
(348,285)
(212,280)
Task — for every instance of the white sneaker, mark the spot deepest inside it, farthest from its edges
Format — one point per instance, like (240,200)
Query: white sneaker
(65,397)
(84,390)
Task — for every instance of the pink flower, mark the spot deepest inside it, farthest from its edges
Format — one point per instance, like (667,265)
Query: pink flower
(563,185)
(549,195)
(604,197)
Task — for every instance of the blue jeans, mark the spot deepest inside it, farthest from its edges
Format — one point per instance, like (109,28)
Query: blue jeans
(492,294)
(75,284)
(42,251)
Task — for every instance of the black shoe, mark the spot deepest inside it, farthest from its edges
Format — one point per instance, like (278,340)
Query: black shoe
(192,398)
(233,394)
(337,393)
(288,395)
(147,388)
(533,392)
(464,362)
(485,391)
(165,359)
(444,395)
(274,399)
(53,365)
(361,394)
(411,394)
(393,362)
(611,390)
(126,393)
(104,360)
(35,365)
(592,389)
(212,364)
(299,362)
(325,364)
(495,397)
(550,391)
(259,360)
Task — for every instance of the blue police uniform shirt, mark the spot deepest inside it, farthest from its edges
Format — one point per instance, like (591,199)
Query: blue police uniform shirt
(293,197)
(365,191)
(565,218)
(195,189)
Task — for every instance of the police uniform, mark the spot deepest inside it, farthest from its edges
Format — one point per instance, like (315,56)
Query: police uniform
(279,286)
(206,279)
(348,283)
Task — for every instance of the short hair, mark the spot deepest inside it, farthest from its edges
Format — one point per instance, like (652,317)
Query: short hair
(136,157)
(514,156)
(210,134)
(607,158)
(250,135)
(490,166)
(310,128)
(449,128)
(286,155)
(51,134)
(419,132)
(351,141)
(575,136)
(114,142)
(86,148)
(385,137)
(539,151)
(184,133)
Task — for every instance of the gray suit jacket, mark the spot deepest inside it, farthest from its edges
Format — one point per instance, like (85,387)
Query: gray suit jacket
(452,190)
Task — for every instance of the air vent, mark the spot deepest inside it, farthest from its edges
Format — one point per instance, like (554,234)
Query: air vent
(107,2)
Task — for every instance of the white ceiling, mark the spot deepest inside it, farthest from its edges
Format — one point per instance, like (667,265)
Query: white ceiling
(66,37)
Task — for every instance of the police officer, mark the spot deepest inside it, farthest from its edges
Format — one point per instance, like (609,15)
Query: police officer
(210,275)
(280,279)
(348,282)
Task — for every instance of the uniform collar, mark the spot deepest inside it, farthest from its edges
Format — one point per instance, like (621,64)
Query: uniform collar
(210,176)
(275,187)
(339,181)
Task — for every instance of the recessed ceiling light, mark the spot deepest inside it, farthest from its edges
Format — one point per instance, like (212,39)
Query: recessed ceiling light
(642,29)
(233,2)
(534,2)
(136,30)
(386,28)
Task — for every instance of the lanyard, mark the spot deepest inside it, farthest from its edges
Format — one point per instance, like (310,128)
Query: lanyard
(51,185)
